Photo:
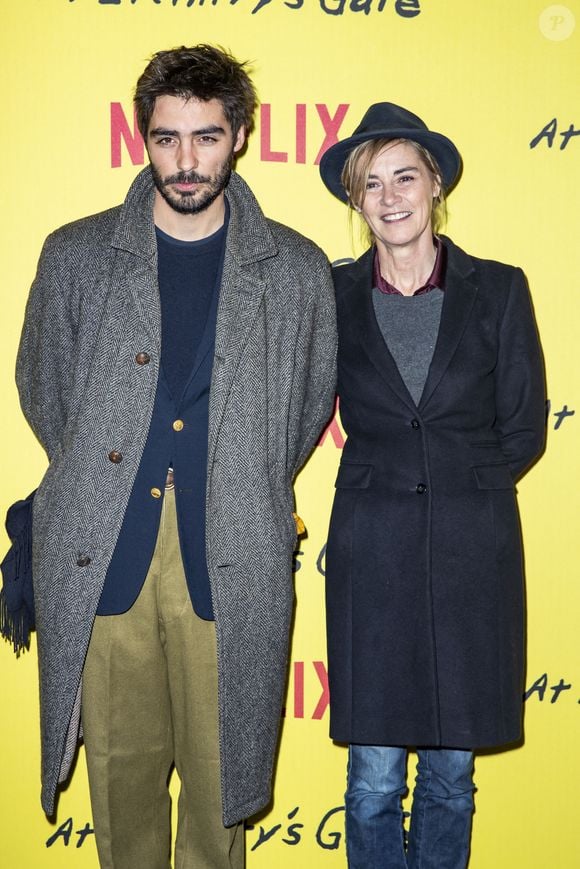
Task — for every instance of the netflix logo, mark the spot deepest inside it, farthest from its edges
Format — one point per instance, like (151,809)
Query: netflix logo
(315,127)
(308,695)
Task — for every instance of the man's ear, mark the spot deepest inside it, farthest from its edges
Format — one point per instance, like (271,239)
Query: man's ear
(240,139)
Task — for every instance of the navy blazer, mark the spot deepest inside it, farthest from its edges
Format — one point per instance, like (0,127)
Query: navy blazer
(186,448)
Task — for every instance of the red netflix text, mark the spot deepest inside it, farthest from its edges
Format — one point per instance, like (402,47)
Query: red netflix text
(314,129)
(305,675)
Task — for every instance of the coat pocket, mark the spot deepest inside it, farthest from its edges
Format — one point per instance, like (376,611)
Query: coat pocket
(493,476)
(353,476)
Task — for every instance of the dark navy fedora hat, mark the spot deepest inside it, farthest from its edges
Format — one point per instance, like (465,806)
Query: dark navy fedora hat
(388,121)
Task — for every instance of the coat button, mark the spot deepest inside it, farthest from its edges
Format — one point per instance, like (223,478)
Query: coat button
(421,488)
(178,425)
(142,358)
(415,423)
(155,492)
(83,560)
(115,457)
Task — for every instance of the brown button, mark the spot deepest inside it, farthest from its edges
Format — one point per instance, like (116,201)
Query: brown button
(83,560)
(178,424)
(115,457)
(142,358)
(170,480)
(155,492)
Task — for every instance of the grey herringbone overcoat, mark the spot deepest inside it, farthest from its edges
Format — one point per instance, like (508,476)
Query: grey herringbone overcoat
(93,307)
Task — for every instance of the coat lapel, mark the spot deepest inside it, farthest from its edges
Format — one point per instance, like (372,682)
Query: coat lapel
(135,235)
(241,293)
(240,299)
(460,294)
(458,300)
(362,322)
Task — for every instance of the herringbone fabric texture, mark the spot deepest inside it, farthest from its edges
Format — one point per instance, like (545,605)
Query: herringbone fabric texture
(93,307)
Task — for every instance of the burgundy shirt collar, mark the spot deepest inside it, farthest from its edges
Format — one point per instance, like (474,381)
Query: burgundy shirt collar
(436,278)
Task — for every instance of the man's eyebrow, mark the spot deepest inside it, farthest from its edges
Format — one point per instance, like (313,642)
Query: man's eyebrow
(203,131)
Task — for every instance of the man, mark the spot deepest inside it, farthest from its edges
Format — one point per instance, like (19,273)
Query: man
(177,364)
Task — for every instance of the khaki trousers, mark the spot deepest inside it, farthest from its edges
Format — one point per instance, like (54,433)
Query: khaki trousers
(150,700)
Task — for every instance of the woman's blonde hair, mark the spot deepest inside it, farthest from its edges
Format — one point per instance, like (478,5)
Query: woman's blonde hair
(357,168)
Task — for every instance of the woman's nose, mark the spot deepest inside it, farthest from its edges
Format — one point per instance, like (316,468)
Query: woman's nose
(389,195)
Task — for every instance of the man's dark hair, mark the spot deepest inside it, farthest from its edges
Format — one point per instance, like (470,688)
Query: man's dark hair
(203,72)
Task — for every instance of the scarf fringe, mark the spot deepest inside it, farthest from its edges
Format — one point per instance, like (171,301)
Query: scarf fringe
(15,626)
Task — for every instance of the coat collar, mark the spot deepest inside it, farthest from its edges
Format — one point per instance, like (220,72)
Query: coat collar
(249,241)
(249,237)
(460,293)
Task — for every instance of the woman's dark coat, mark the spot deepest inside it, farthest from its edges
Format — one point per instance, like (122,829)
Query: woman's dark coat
(424,567)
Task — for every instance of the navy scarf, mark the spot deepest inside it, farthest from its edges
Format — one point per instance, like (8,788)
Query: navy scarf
(17,596)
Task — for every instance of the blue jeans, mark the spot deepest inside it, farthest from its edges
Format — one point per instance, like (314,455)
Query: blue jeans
(440,817)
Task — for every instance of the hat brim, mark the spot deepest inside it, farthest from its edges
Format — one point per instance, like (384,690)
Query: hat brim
(442,149)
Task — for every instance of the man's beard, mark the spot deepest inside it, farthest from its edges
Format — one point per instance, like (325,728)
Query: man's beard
(196,201)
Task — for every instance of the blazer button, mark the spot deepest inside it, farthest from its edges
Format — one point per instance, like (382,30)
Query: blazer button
(142,358)
(421,489)
(115,457)
(83,561)
(178,425)
(415,423)
(155,492)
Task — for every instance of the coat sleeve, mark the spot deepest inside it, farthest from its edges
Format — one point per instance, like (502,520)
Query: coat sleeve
(314,380)
(519,381)
(45,361)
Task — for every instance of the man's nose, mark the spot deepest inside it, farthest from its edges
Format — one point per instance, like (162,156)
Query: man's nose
(186,157)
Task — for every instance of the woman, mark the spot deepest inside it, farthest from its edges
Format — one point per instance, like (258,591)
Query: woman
(442,398)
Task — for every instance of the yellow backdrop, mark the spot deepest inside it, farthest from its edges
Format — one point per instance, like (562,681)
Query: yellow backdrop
(501,78)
